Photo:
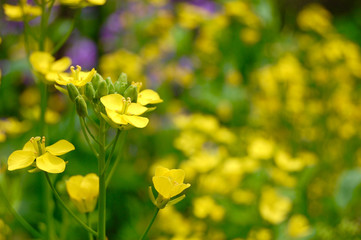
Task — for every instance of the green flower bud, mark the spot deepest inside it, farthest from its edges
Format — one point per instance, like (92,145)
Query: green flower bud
(72,91)
(102,89)
(121,84)
(132,93)
(89,91)
(96,80)
(110,85)
(80,106)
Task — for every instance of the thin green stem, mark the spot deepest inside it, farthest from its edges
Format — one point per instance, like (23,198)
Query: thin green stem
(49,207)
(113,144)
(113,141)
(83,128)
(102,187)
(117,160)
(90,133)
(18,217)
(43,25)
(89,224)
(56,194)
(150,224)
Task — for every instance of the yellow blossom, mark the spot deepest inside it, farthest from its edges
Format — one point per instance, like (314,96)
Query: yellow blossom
(123,112)
(45,158)
(18,12)
(77,77)
(169,183)
(83,191)
(261,148)
(287,163)
(206,206)
(82,3)
(298,226)
(148,96)
(45,64)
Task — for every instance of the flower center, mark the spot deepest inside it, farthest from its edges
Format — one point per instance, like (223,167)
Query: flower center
(39,145)
(75,72)
(126,103)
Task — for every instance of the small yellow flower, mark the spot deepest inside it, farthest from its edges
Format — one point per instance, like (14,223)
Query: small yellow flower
(45,157)
(123,112)
(83,191)
(82,3)
(45,64)
(17,12)
(169,183)
(148,96)
(298,226)
(77,77)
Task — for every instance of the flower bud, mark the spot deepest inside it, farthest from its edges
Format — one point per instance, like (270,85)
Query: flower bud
(121,84)
(132,93)
(110,85)
(89,91)
(96,80)
(80,106)
(102,89)
(72,91)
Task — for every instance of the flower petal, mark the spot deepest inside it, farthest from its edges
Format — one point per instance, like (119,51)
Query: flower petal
(50,163)
(149,96)
(161,171)
(163,186)
(20,159)
(29,147)
(136,121)
(177,175)
(113,102)
(136,109)
(60,147)
(85,77)
(73,186)
(177,189)
(116,117)
(60,65)
(63,79)
(41,61)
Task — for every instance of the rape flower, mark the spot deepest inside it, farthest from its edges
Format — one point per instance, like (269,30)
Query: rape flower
(82,3)
(45,157)
(298,226)
(45,63)
(77,77)
(168,183)
(148,96)
(18,12)
(83,191)
(123,112)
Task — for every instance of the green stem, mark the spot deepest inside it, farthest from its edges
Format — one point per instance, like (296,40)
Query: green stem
(56,194)
(90,133)
(89,224)
(49,207)
(18,217)
(43,26)
(150,224)
(117,160)
(82,123)
(102,187)
(114,143)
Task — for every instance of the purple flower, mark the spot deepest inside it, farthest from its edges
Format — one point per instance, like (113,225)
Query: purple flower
(83,52)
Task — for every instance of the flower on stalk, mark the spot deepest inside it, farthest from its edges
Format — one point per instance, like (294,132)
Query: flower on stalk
(43,158)
(18,12)
(83,191)
(168,183)
(76,77)
(45,64)
(122,111)
(146,96)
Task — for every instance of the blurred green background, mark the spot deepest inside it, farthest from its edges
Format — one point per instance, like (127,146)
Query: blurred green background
(261,109)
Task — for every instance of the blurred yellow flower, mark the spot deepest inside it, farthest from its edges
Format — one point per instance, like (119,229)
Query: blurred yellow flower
(206,206)
(82,3)
(261,148)
(83,191)
(123,112)
(45,64)
(21,11)
(274,207)
(287,163)
(315,17)
(77,77)
(260,234)
(298,226)
(169,183)
(45,157)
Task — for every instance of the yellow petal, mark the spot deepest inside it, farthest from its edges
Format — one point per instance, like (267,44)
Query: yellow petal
(63,79)
(90,185)
(13,12)
(41,61)
(149,96)
(163,186)
(97,2)
(177,189)
(116,117)
(113,102)
(61,65)
(20,159)
(161,171)
(60,147)
(85,77)
(73,186)
(50,163)
(29,147)
(136,109)
(177,175)
(136,121)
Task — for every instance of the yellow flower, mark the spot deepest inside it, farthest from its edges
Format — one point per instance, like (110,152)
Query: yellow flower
(169,183)
(45,64)
(123,112)
(148,96)
(17,12)
(77,77)
(83,191)
(298,226)
(45,157)
(82,3)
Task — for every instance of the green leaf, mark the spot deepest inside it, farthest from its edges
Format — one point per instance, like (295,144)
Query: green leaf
(346,186)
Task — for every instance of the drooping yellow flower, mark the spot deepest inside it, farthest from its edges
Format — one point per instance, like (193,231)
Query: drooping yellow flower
(83,191)
(77,77)
(18,12)
(169,183)
(45,158)
(82,3)
(45,64)
(123,112)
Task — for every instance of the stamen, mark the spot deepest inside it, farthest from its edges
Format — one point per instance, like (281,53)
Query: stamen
(124,105)
(43,145)
(78,69)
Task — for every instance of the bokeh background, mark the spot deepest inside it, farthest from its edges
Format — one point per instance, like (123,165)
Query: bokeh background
(261,109)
